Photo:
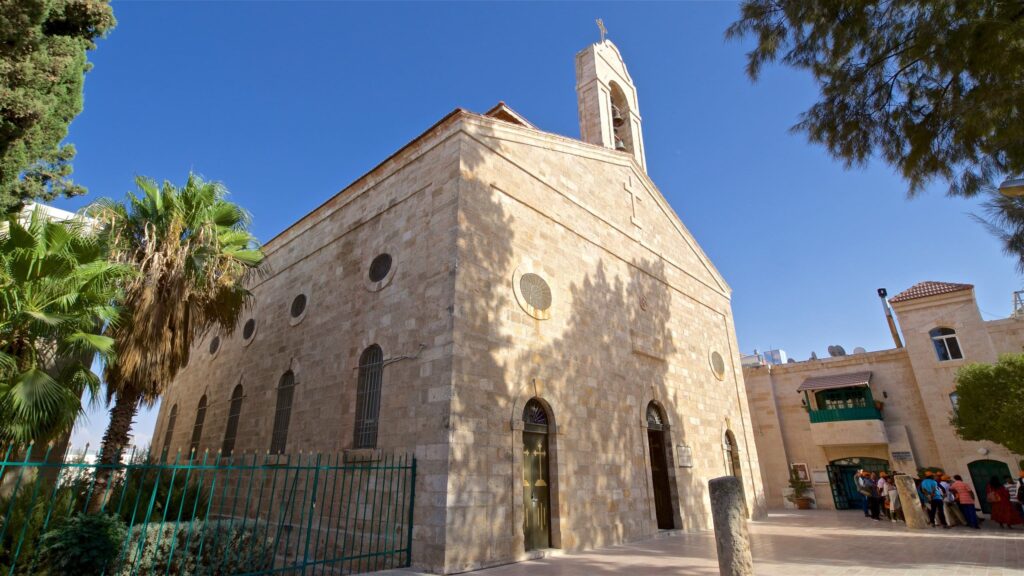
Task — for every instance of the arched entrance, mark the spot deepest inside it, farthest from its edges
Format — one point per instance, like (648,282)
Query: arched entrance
(659,467)
(732,461)
(981,472)
(536,478)
(841,474)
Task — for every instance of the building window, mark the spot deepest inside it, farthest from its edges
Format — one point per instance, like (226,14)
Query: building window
(946,345)
(214,345)
(172,418)
(380,267)
(371,375)
(954,399)
(197,429)
(249,329)
(283,412)
(298,306)
(655,421)
(231,431)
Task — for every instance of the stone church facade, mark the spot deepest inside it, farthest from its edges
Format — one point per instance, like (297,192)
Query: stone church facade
(523,311)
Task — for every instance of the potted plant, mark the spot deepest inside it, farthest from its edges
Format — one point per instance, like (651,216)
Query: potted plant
(800,489)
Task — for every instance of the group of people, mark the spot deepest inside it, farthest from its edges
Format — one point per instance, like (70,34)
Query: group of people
(948,501)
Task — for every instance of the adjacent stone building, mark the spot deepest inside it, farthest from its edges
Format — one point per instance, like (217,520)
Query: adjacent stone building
(884,410)
(523,311)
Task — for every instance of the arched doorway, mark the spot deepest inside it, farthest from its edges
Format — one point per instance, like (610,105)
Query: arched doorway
(732,463)
(536,478)
(841,474)
(981,472)
(659,467)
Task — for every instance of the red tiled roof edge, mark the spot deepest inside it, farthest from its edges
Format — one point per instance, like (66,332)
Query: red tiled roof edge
(929,288)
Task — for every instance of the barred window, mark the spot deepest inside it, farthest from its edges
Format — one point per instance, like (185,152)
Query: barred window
(371,376)
(283,412)
(172,419)
(197,429)
(231,431)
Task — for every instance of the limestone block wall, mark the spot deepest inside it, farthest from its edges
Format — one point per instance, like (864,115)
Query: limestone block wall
(1007,335)
(407,208)
(959,311)
(893,382)
(636,310)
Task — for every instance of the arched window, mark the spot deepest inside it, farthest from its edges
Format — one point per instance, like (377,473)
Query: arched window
(655,419)
(197,429)
(172,419)
(946,345)
(535,417)
(371,376)
(234,412)
(283,412)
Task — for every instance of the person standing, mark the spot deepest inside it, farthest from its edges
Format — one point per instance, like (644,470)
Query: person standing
(1003,511)
(965,500)
(894,498)
(933,492)
(1020,491)
(861,481)
(874,502)
(953,514)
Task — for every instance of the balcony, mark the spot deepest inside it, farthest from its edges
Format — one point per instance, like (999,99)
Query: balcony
(848,426)
(843,414)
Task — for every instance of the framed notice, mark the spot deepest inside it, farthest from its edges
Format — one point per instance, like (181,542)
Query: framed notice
(819,476)
(684,456)
(801,472)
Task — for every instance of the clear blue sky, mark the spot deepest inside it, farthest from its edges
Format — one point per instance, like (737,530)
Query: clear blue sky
(287,103)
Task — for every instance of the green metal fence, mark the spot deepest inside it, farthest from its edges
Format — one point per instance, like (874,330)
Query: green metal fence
(246,514)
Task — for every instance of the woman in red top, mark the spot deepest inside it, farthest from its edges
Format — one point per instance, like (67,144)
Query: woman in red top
(1003,511)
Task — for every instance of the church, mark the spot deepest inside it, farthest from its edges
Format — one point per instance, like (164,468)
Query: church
(522,311)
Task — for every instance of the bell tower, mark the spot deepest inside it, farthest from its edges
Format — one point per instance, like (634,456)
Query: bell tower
(609,113)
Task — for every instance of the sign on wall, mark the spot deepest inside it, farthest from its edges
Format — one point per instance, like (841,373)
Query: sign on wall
(684,456)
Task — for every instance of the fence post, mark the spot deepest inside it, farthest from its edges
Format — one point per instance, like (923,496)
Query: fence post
(412,505)
(312,509)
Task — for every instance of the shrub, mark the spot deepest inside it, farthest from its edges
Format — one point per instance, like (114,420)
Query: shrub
(85,545)
(26,513)
(228,547)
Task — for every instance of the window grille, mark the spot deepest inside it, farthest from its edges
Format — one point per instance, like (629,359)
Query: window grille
(231,431)
(947,347)
(371,376)
(283,412)
(197,430)
(535,417)
(172,418)
(655,421)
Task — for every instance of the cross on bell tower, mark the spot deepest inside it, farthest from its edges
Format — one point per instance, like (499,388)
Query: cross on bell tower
(608,107)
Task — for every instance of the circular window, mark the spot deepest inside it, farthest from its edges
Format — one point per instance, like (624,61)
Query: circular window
(718,365)
(298,306)
(214,344)
(249,328)
(380,267)
(535,291)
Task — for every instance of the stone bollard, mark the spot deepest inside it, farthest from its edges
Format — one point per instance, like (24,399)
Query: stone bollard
(910,502)
(729,513)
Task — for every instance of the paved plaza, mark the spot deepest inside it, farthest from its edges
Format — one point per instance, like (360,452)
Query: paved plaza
(796,543)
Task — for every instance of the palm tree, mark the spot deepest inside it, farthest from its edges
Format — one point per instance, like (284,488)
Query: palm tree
(1005,220)
(193,256)
(56,294)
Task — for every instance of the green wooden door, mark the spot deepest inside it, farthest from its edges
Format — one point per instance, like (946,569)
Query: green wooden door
(841,474)
(981,472)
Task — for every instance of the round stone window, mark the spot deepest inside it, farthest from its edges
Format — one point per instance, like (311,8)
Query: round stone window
(214,345)
(249,328)
(535,291)
(380,267)
(717,365)
(298,306)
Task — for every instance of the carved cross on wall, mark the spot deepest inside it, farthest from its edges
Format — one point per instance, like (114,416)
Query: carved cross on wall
(634,200)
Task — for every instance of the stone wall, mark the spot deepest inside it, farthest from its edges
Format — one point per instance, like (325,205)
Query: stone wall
(636,311)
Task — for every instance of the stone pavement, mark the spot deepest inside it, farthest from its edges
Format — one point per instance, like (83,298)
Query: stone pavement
(793,543)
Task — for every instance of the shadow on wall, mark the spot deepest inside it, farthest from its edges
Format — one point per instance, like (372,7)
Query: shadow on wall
(595,364)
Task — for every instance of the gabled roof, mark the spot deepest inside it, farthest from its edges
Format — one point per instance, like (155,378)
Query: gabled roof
(836,381)
(503,111)
(929,288)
